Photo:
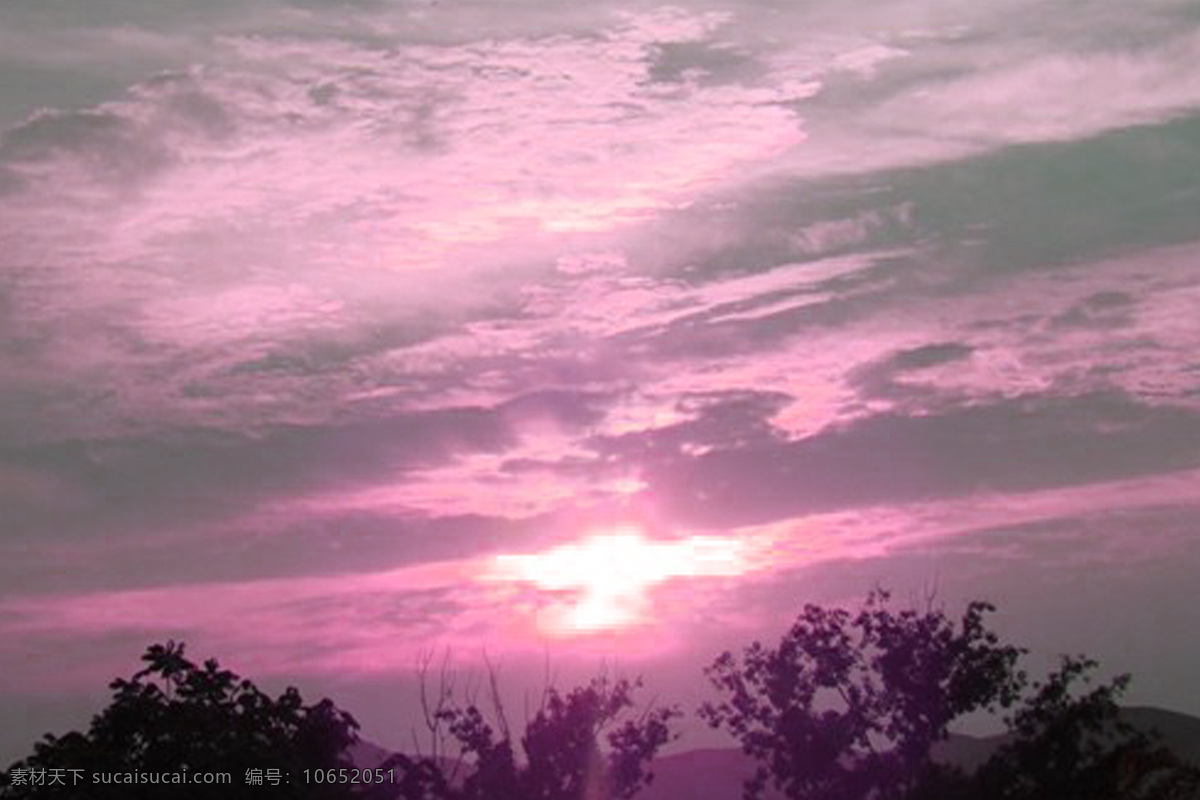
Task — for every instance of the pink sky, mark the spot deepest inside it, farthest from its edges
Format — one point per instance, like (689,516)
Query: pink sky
(328,340)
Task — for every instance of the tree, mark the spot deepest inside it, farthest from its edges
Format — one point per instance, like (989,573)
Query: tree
(1068,742)
(177,717)
(850,706)
(563,756)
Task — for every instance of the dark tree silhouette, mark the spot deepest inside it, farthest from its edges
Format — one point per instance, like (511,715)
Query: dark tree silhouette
(174,717)
(1068,742)
(850,706)
(563,757)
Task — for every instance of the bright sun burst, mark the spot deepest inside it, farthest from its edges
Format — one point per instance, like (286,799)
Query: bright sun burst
(610,574)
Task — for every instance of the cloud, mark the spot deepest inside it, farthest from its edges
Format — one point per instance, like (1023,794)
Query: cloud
(300,193)
(965,80)
(372,621)
(1046,97)
(1015,445)
(324,624)
(323,311)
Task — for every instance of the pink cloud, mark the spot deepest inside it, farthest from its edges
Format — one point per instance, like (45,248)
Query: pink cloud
(602,599)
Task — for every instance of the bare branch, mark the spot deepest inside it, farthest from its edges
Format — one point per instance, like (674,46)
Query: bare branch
(493,674)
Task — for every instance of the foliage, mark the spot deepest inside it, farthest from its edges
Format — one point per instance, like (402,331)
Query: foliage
(561,745)
(174,716)
(1069,743)
(847,706)
(851,706)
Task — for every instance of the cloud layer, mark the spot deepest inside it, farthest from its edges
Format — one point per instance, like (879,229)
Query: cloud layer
(310,318)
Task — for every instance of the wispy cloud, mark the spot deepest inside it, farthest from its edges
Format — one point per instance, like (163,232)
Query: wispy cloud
(307,316)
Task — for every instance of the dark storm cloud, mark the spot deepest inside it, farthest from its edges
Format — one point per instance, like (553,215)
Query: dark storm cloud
(193,477)
(1014,445)
(703,62)
(1037,204)
(883,378)
(1107,309)
(1019,207)
(251,547)
(105,144)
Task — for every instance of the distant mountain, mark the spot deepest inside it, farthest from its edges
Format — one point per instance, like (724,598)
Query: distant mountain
(718,773)
(367,755)
(708,774)
(1179,732)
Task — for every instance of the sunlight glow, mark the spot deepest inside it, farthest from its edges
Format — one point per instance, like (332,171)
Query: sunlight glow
(608,575)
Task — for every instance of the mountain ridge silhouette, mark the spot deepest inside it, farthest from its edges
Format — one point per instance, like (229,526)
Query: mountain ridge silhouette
(716,773)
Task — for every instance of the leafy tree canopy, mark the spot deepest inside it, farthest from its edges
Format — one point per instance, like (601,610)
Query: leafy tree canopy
(563,756)
(175,716)
(849,706)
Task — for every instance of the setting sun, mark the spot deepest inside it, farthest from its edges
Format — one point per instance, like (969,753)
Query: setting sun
(608,575)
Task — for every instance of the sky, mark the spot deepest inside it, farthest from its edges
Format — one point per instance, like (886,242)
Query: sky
(333,335)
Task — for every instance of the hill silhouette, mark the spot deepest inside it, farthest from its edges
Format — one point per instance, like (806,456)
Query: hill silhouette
(1180,733)
(716,773)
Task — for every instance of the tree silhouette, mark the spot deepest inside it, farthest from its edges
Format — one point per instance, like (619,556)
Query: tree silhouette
(563,757)
(177,717)
(850,706)
(1068,742)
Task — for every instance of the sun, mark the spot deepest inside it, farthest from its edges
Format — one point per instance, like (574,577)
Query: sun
(608,575)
